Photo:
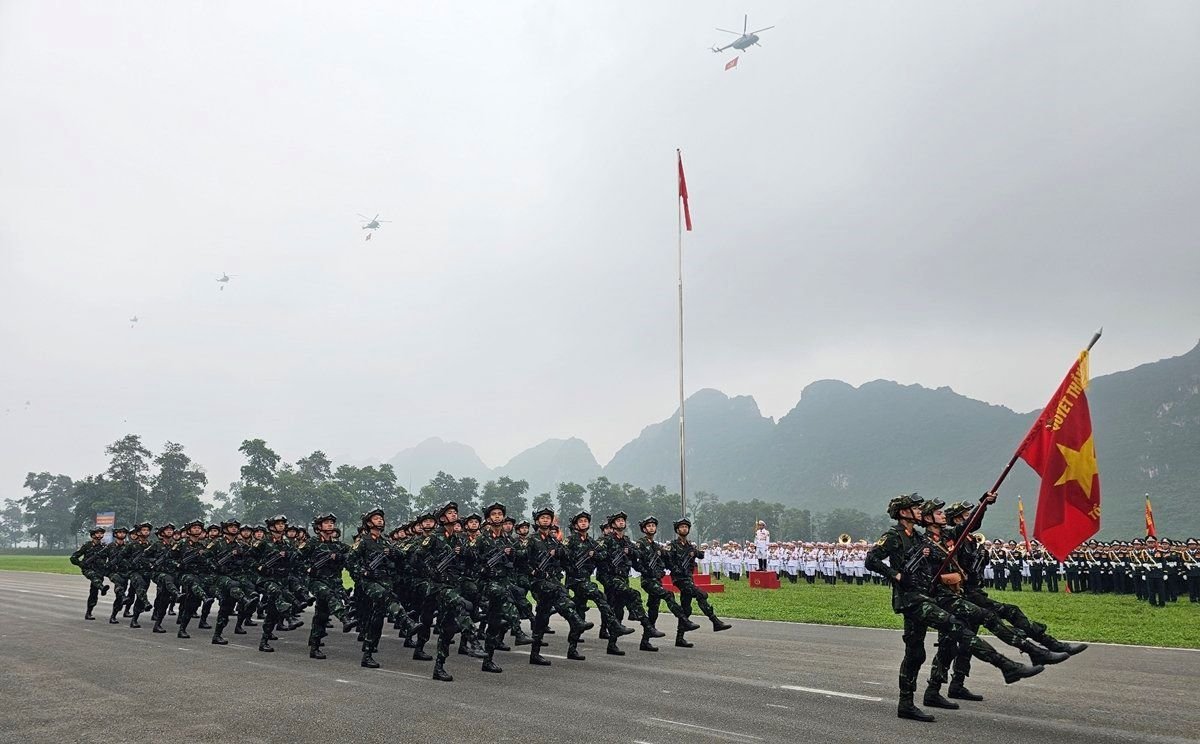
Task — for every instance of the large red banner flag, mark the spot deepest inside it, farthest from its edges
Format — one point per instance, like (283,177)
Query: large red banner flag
(687,213)
(1060,447)
(731,64)
(1150,530)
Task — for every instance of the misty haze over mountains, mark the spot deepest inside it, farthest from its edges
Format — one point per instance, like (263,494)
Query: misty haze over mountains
(842,446)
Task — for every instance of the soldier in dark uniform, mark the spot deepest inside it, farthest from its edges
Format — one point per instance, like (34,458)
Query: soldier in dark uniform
(648,560)
(1156,573)
(90,558)
(139,571)
(371,563)
(681,555)
(613,571)
(545,561)
(441,556)
(272,557)
(162,570)
(903,556)
(324,559)
(949,592)
(191,560)
(117,569)
(212,535)
(495,567)
(580,561)
(231,586)
(1016,565)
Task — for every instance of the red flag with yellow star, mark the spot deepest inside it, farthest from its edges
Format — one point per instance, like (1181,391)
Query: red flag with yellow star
(1061,449)
(1150,529)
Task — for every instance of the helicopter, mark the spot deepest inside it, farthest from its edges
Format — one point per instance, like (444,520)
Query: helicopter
(223,280)
(133,321)
(745,39)
(373,223)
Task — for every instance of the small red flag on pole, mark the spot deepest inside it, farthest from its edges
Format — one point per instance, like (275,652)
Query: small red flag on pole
(1021,524)
(683,194)
(731,64)
(1150,531)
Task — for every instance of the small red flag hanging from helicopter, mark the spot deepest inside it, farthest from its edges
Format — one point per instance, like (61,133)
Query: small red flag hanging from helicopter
(731,63)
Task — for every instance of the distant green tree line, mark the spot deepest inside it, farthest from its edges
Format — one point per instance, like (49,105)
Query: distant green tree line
(140,485)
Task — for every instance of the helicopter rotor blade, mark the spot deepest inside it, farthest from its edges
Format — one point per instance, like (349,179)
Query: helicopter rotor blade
(768,28)
(375,218)
(360,214)
(745,23)
(729,32)
(381,221)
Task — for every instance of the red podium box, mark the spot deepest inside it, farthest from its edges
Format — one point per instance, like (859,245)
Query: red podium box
(702,581)
(764,580)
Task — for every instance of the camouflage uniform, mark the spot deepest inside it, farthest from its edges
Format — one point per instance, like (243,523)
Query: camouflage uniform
(91,558)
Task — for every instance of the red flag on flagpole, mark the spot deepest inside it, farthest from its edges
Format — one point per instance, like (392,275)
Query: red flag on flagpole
(683,194)
(1021,524)
(1061,449)
(1150,531)
(731,64)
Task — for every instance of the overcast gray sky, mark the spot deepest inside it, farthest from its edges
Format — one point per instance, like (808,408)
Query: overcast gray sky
(946,193)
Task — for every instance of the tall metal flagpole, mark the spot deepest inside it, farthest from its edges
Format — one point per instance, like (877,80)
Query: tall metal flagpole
(679,257)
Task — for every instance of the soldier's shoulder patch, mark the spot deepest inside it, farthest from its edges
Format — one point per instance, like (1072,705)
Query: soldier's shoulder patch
(881,541)
(426,541)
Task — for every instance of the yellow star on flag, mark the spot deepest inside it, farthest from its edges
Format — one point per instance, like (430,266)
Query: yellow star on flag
(1081,466)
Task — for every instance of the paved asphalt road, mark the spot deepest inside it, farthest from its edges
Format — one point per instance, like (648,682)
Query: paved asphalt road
(65,679)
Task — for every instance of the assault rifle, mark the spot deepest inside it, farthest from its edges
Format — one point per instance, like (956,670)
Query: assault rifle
(619,560)
(329,555)
(95,556)
(917,563)
(543,563)
(227,557)
(378,559)
(271,561)
(583,558)
(436,571)
(494,557)
(655,563)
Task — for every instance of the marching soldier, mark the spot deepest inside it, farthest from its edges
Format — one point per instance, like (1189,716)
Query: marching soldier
(271,557)
(117,569)
(325,558)
(232,585)
(903,556)
(681,557)
(546,561)
(139,571)
(613,572)
(648,559)
(90,558)
(191,560)
(370,561)
(580,562)
(162,570)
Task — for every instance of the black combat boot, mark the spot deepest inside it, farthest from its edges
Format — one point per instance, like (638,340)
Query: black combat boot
(249,622)
(649,631)
(612,649)
(265,646)
(908,709)
(933,698)
(439,670)
(682,642)
(314,652)
(536,658)
(219,640)
(462,646)
(104,590)
(1054,644)
(203,624)
(1015,671)
(237,628)
(604,634)
(620,630)
(134,622)
(646,645)
(349,625)
(368,661)
(409,643)
(573,652)
(419,653)
(88,615)
(491,666)
(520,638)
(182,632)
(687,625)
(1039,656)
(958,690)
(158,628)
(112,619)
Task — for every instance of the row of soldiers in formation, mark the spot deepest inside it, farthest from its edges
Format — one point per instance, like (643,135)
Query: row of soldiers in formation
(470,577)
(936,569)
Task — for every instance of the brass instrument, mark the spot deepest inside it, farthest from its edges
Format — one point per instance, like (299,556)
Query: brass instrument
(844,539)
(980,538)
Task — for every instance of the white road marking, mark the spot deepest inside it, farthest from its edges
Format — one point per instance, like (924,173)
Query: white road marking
(403,674)
(706,728)
(832,693)
(865,682)
(345,681)
(554,656)
(773,705)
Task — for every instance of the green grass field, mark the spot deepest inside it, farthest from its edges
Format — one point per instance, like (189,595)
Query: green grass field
(1082,617)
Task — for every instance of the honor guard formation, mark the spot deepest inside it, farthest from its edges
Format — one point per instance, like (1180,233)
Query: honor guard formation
(472,577)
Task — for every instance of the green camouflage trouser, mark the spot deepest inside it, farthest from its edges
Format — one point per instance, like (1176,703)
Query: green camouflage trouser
(330,599)
(500,614)
(623,597)
(585,591)
(924,614)
(962,656)
(454,616)
(656,593)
